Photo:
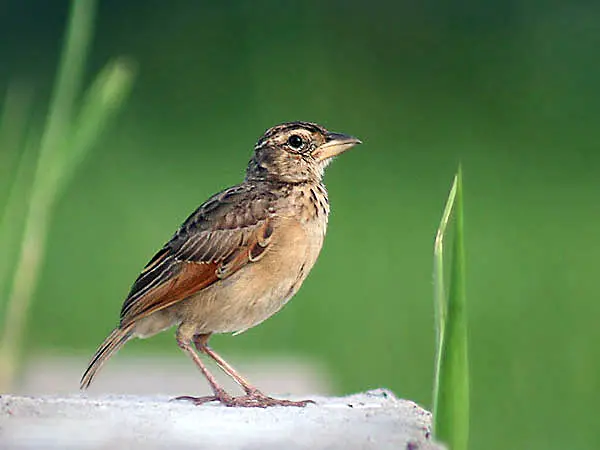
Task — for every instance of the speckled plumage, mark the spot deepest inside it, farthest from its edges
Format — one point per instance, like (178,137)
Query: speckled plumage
(241,255)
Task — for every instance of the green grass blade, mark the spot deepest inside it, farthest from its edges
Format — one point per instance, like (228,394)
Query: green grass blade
(101,103)
(438,285)
(15,176)
(45,182)
(66,91)
(451,401)
(14,121)
(13,214)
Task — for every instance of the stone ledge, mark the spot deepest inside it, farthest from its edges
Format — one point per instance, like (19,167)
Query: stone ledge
(371,420)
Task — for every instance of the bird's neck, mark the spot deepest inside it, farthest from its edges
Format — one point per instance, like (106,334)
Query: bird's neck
(259,169)
(306,200)
(310,202)
(275,178)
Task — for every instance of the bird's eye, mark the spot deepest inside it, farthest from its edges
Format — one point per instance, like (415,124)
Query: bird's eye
(295,141)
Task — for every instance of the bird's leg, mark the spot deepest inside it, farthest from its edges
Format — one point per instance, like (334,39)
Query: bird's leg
(219,393)
(201,343)
(253,397)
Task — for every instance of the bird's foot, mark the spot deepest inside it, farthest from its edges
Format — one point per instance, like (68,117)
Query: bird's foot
(219,396)
(253,399)
(256,399)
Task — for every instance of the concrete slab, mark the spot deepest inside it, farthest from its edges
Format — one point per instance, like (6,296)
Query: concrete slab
(371,420)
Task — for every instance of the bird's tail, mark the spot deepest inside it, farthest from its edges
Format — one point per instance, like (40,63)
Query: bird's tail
(109,347)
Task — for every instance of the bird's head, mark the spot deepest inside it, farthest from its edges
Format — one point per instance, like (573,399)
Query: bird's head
(296,152)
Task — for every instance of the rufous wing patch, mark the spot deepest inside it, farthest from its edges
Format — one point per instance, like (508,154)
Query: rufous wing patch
(221,256)
(189,279)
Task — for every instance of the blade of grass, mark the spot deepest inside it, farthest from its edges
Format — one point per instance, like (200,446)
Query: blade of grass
(47,174)
(65,142)
(101,101)
(438,285)
(67,88)
(13,125)
(14,174)
(11,222)
(451,391)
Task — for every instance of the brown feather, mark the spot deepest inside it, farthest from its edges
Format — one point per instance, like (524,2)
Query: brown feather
(216,258)
(191,278)
(109,347)
(214,242)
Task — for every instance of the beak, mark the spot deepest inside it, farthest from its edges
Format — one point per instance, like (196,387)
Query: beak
(335,144)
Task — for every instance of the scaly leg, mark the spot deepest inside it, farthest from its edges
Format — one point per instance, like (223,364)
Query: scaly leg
(219,393)
(253,397)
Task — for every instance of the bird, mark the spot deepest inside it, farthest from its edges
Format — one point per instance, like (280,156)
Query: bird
(237,259)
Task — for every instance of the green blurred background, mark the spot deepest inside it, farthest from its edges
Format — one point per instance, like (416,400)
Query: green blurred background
(510,88)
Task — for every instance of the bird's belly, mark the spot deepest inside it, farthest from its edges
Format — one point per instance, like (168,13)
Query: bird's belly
(260,289)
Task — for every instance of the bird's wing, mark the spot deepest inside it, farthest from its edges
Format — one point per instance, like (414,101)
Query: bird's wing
(230,230)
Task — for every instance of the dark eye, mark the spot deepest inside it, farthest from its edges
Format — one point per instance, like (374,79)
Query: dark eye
(295,141)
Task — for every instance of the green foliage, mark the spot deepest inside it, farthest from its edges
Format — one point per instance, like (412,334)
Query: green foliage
(66,138)
(451,387)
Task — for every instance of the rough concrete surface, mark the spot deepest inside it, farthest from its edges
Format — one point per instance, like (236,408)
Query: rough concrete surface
(372,420)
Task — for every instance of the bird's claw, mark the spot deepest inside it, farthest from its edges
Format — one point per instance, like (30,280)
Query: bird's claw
(253,399)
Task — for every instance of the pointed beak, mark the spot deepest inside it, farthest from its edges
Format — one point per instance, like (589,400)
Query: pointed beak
(335,144)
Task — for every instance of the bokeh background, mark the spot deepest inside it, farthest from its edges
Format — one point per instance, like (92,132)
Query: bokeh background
(509,88)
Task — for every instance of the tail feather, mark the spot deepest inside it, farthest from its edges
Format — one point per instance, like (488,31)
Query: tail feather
(109,347)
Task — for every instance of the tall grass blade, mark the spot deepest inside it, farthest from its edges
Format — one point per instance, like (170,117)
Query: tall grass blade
(13,214)
(440,307)
(14,121)
(67,88)
(451,390)
(46,179)
(15,176)
(102,100)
